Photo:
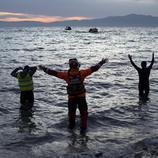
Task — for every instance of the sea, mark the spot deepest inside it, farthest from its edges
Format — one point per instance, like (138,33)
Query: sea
(120,125)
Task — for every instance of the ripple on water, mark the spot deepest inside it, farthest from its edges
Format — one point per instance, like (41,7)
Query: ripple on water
(118,123)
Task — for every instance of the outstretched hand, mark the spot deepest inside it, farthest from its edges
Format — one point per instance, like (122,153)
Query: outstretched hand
(104,60)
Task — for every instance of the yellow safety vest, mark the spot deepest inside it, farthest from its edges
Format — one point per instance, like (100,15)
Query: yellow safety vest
(25,83)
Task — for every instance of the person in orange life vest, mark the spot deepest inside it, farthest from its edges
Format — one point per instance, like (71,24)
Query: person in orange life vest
(75,88)
(24,76)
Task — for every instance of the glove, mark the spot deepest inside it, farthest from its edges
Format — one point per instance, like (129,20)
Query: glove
(103,61)
(41,67)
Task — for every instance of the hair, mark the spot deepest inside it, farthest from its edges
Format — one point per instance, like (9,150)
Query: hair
(26,68)
(73,63)
(143,64)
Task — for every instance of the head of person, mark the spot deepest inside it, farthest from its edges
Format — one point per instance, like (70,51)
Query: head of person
(143,64)
(26,69)
(24,72)
(73,63)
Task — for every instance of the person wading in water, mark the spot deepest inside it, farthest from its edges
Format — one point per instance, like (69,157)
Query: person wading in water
(74,78)
(25,80)
(144,74)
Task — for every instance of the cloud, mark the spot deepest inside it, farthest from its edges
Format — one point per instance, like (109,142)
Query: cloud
(79,8)
(11,16)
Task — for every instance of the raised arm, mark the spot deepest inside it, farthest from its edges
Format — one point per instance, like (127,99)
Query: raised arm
(134,65)
(48,71)
(152,62)
(15,72)
(98,65)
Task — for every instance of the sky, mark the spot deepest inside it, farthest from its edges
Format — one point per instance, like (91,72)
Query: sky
(59,10)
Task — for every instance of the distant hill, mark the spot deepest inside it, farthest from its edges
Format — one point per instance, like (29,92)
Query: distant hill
(120,21)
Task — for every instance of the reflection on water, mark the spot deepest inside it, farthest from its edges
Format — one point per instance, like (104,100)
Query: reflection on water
(143,100)
(117,121)
(26,123)
(78,142)
(143,107)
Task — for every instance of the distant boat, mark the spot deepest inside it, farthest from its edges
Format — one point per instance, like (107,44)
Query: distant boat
(93,30)
(68,28)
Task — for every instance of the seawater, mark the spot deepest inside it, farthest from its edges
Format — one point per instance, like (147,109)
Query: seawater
(119,124)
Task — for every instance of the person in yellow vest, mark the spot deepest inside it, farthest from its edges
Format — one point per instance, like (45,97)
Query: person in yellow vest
(74,78)
(25,80)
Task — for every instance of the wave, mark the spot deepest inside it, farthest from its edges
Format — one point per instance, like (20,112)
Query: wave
(33,49)
(8,38)
(119,125)
(131,41)
(97,121)
(81,31)
(147,147)
(52,50)
(15,49)
(3,110)
(8,89)
(32,140)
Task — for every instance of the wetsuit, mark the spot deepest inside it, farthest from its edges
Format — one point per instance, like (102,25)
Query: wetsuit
(143,85)
(144,74)
(76,98)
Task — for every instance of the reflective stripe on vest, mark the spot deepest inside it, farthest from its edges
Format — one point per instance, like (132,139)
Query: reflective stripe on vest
(75,85)
(25,83)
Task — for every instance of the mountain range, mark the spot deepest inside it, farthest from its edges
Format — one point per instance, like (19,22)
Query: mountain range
(131,20)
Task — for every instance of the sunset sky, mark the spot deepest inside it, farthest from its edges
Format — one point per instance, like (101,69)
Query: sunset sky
(59,10)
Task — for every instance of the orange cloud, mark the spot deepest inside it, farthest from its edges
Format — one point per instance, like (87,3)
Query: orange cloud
(37,19)
(9,16)
(76,18)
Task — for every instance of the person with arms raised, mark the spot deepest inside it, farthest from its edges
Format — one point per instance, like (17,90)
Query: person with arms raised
(74,78)
(144,73)
(25,80)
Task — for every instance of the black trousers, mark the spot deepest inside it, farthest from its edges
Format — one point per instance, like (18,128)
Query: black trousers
(81,104)
(26,99)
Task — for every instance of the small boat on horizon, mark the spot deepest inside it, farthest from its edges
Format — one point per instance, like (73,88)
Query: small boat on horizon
(93,30)
(68,28)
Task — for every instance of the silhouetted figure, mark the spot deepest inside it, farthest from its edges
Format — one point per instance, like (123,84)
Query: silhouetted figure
(144,74)
(24,76)
(75,89)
